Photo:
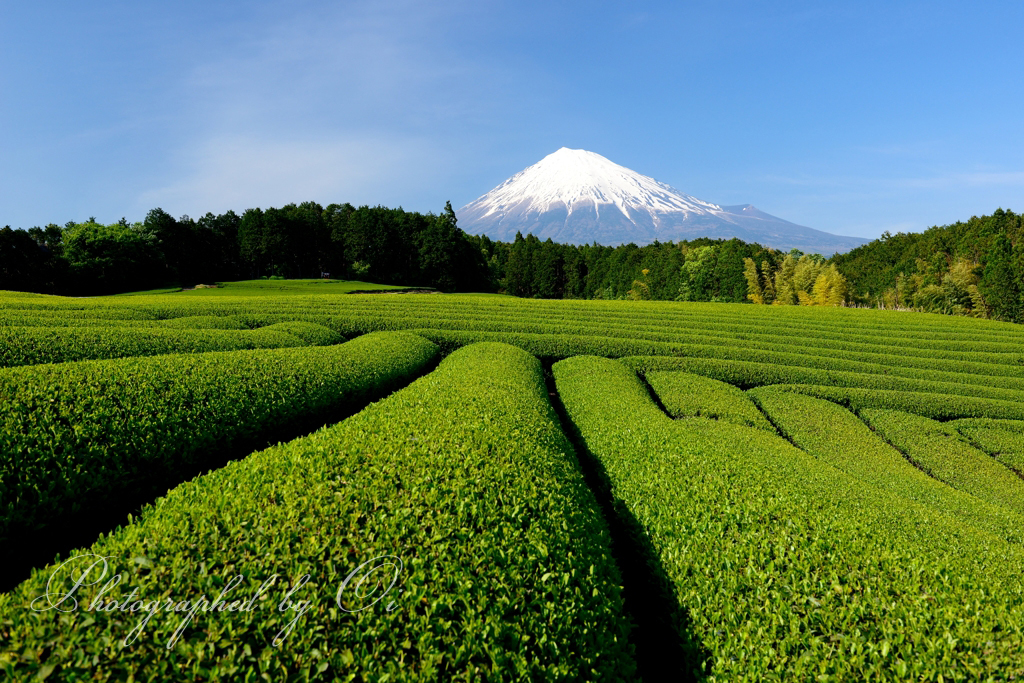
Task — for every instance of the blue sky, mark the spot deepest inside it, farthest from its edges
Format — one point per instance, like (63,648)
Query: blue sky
(849,117)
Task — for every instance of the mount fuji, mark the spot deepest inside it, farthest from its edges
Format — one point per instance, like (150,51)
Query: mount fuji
(578,197)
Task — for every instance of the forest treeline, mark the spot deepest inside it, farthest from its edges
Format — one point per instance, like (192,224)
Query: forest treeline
(972,268)
(966,268)
(306,240)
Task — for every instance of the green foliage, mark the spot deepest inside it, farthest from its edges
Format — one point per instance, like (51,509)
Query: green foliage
(440,250)
(792,563)
(110,258)
(836,436)
(76,433)
(755,292)
(931,405)
(33,345)
(829,289)
(954,269)
(311,333)
(531,268)
(746,375)
(1003,439)
(293,241)
(790,569)
(999,282)
(205,322)
(685,395)
(464,477)
(944,454)
(393,246)
(697,281)
(804,280)
(785,292)
(31,260)
(389,246)
(552,341)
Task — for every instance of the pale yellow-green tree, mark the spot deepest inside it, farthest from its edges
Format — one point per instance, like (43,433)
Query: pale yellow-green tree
(754,291)
(807,270)
(979,308)
(961,284)
(906,288)
(768,277)
(640,290)
(785,294)
(809,282)
(829,289)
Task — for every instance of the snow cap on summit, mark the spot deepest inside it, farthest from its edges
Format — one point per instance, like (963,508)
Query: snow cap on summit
(576,177)
(576,196)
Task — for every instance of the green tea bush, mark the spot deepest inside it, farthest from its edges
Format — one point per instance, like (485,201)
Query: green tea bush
(56,311)
(686,395)
(311,333)
(942,452)
(37,345)
(559,345)
(1003,439)
(838,437)
(499,560)
(74,434)
(205,322)
(749,374)
(935,406)
(789,568)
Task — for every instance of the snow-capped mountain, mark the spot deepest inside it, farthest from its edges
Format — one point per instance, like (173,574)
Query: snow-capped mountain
(577,197)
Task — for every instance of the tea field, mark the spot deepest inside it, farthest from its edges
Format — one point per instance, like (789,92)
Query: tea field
(300,480)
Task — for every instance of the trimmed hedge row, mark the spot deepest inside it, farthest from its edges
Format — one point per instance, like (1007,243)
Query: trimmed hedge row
(900,329)
(500,567)
(685,395)
(784,323)
(792,321)
(353,315)
(204,322)
(546,347)
(789,568)
(311,333)
(748,374)
(935,406)
(51,312)
(1003,439)
(558,346)
(838,437)
(939,450)
(746,335)
(791,351)
(37,345)
(74,434)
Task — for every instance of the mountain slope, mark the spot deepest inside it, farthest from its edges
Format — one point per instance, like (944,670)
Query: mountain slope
(578,197)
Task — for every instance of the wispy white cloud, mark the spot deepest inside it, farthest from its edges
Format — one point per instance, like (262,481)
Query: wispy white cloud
(242,172)
(365,101)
